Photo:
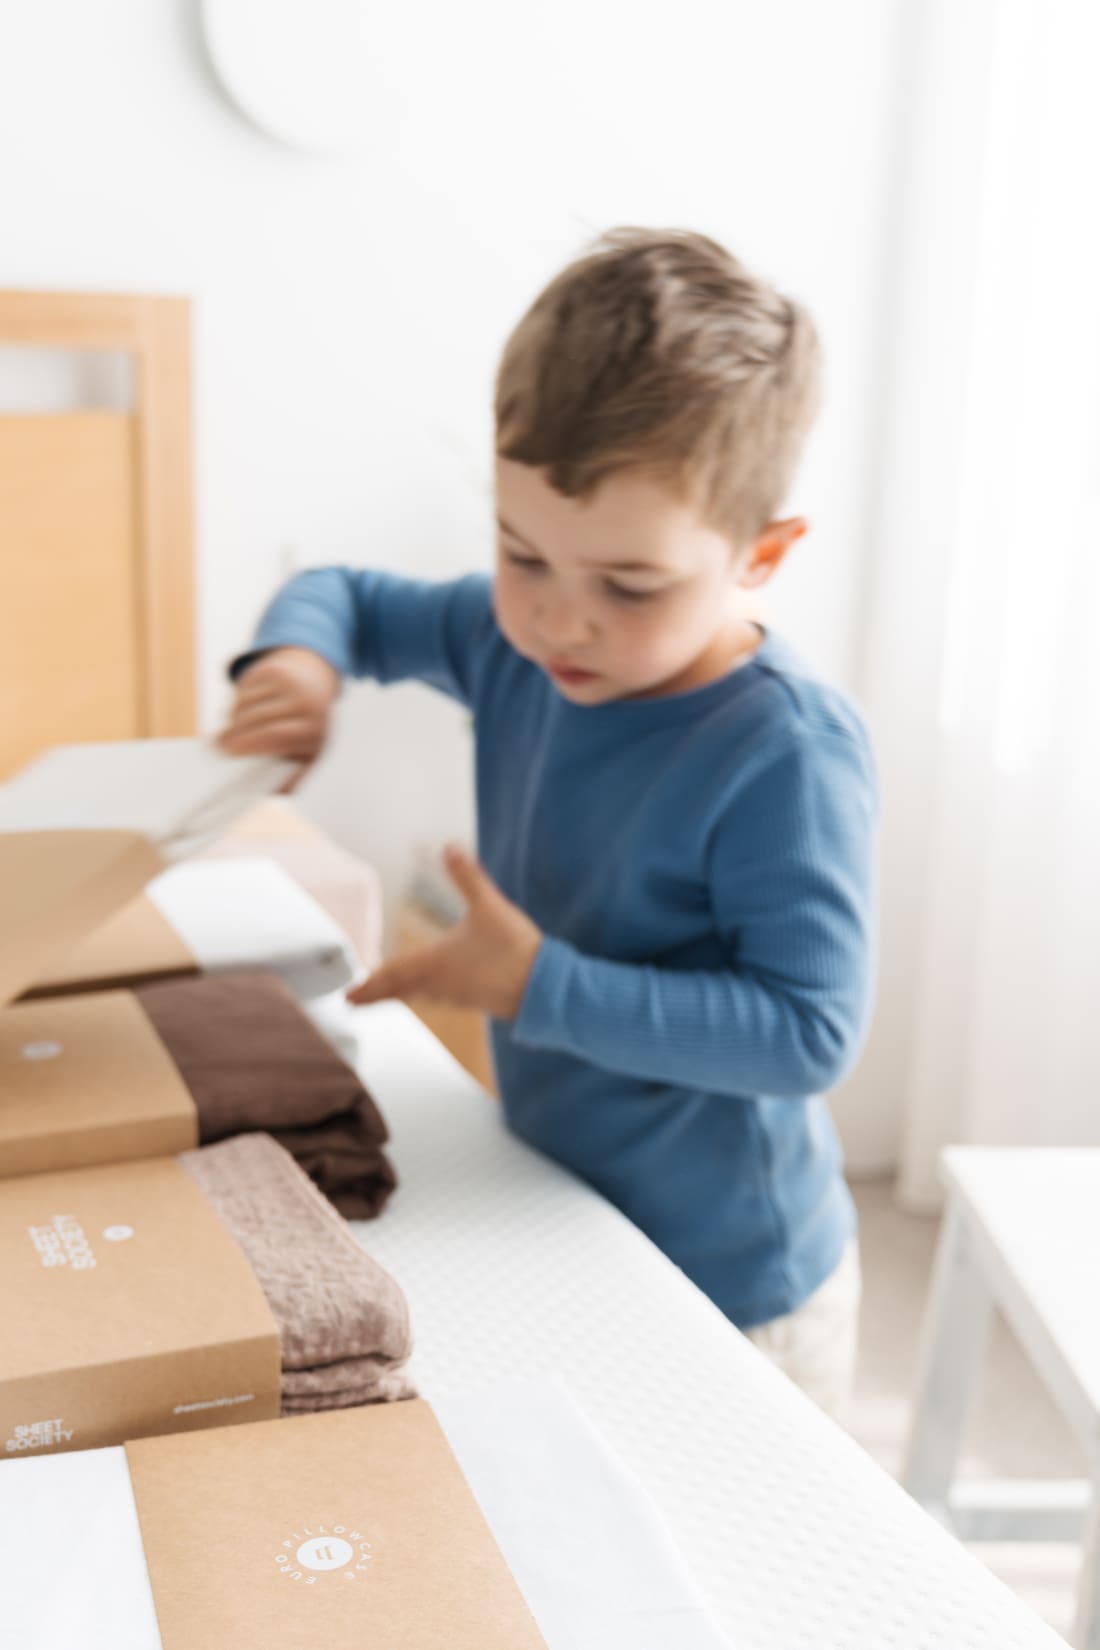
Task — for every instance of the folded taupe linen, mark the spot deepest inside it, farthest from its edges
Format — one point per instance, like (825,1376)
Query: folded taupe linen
(343,1321)
(253,1060)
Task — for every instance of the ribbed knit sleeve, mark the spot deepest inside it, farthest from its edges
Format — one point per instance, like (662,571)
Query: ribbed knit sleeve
(792,880)
(383,626)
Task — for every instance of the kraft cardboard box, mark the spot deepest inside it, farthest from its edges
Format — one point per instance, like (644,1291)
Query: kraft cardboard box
(87,1080)
(138,945)
(57,885)
(345,1530)
(134,946)
(128,1311)
(84,828)
(228,915)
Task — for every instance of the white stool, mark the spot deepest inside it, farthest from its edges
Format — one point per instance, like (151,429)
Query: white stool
(1022,1232)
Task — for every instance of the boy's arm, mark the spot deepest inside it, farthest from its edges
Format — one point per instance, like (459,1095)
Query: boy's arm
(793,890)
(366,623)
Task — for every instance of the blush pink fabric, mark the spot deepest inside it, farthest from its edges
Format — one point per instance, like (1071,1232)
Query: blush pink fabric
(343,1322)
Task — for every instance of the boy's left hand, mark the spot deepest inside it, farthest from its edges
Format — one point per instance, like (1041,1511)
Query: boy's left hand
(484,963)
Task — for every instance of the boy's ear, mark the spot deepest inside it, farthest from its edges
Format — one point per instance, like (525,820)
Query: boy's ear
(769,549)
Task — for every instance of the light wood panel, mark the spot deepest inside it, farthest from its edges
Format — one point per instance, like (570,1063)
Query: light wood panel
(70,649)
(96,536)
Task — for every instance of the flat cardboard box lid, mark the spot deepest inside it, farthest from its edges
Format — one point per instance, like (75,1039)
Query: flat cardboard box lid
(136,945)
(345,1530)
(83,828)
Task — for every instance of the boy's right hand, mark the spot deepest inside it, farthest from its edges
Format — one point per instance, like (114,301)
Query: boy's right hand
(282,707)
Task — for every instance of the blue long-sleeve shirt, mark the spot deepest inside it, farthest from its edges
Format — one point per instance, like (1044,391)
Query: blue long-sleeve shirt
(703,868)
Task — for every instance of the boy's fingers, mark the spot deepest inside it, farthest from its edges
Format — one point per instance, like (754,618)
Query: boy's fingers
(472,882)
(294,738)
(258,685)
(290,785)
(272,691)
(408,976)
(384,983)
(262,710)
(262,729)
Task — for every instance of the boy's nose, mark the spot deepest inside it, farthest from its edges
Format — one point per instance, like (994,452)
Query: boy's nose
(562,624)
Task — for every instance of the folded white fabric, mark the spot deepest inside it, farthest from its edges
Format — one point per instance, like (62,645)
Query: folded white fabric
(249,913)
(179,793)
(75,1568)
(582,1538)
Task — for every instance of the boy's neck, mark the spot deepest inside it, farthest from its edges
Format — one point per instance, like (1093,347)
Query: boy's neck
(731,648)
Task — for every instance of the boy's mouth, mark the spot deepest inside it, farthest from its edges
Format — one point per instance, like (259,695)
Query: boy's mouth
(562,672)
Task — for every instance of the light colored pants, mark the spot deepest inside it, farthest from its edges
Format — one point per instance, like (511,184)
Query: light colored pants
(816,1344)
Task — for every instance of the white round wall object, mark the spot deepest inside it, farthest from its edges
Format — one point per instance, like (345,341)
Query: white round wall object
(297,69)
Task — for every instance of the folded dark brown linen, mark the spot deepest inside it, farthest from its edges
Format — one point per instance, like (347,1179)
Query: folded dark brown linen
(343,1322)
(252,1059)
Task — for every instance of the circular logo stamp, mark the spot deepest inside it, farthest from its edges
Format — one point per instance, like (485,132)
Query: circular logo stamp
(325,1552)
(338,1550)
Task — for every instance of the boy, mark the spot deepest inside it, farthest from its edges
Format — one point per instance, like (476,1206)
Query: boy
(672,922)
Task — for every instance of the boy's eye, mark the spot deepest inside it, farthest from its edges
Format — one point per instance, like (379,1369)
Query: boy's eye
(623,593)
(533,565)
(528,563)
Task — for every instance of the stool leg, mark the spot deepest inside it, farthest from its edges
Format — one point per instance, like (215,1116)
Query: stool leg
(1086,1632)
(956,1328)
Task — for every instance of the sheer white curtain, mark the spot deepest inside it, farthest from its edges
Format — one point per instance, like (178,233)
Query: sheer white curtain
(983,669)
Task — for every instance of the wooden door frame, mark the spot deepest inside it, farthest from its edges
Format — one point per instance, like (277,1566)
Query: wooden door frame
(156,333)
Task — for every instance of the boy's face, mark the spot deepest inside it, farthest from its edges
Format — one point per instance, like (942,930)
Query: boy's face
(627,594)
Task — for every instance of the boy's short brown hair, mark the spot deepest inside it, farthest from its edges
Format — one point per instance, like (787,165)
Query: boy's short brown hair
(657,350)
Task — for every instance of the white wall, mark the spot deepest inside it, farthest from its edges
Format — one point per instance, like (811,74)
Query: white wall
(349,312)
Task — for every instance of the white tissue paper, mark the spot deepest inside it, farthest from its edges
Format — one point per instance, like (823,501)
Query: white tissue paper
(182,794)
